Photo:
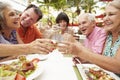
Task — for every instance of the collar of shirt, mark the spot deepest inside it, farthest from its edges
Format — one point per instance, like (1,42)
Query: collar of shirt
(29,27)
(91,36)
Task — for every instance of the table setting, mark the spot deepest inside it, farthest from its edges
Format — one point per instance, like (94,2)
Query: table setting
(56,66)
(52,66)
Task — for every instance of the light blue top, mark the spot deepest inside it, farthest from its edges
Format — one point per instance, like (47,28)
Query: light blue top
(110,50)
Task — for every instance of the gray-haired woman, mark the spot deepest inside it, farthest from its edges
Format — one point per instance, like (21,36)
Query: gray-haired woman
(9,22)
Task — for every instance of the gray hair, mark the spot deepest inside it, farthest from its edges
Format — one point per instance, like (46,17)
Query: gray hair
(90,16)
(3,6)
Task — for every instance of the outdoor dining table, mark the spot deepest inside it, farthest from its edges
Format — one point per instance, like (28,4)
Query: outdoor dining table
(53,66)
(58,67)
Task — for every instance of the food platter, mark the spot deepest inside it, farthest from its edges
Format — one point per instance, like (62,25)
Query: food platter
(37,71)
(83,68)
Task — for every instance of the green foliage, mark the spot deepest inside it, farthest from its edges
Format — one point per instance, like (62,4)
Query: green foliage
(65,5)
(59,4)
(88,5)
(73,2)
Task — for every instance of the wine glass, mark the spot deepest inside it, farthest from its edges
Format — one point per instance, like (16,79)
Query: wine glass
(57,36)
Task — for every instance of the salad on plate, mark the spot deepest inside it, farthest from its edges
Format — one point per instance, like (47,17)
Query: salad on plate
(20,69)
(94,72)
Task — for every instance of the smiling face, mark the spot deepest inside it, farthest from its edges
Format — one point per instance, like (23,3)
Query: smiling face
(11,19)
(86,26)
(112,19)
(28,17)
(63,25)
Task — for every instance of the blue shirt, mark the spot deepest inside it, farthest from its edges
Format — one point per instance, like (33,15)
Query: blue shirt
(11,40)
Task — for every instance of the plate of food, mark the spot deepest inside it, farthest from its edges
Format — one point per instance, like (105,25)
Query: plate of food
(94,72)
(42,57)
(20,69)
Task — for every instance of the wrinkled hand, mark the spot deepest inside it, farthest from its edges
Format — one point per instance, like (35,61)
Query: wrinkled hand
(41,46)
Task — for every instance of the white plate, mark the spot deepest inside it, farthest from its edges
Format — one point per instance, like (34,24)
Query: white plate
(82,67)
(35,74)
(39,56)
